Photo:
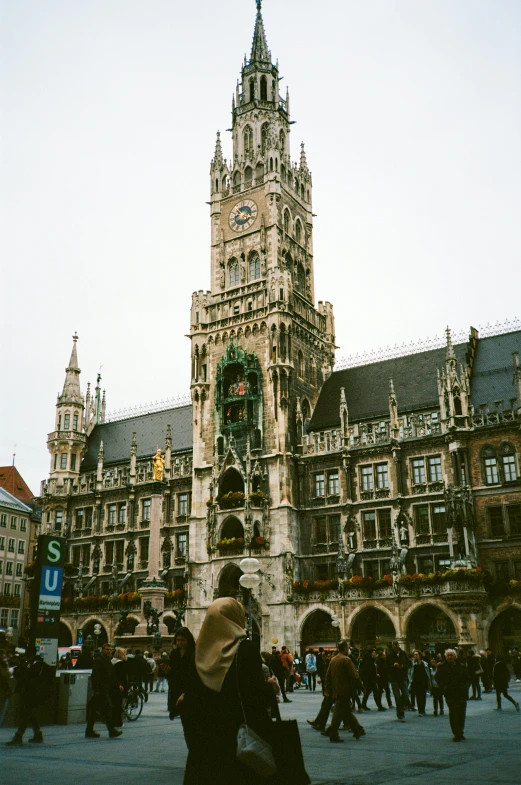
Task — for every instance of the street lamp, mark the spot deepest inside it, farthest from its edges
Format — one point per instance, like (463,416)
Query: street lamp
(97,632)
(249,580)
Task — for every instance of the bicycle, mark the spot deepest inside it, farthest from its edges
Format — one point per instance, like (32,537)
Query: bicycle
(133,702)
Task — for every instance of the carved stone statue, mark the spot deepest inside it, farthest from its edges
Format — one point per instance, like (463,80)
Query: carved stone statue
(404,534)
(152,617)
(158,463)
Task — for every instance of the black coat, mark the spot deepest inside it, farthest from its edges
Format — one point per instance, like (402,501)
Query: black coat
(181,677)
(453,679)
(501,675)
(398,665)
(211,721)
(104,678)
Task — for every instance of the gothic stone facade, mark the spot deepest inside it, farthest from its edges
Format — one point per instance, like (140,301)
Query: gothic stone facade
(403,466)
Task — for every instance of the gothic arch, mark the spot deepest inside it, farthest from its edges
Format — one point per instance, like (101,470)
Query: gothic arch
(65,634)
(88,629)
(248,141)
(231,481)
(379,627)
(298,231)
(248,177)
(316,623)
(436,606)
(228,581)
(493,629)
(232,527)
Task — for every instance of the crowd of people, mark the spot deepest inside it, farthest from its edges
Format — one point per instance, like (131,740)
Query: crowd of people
(446,677)
(221,682)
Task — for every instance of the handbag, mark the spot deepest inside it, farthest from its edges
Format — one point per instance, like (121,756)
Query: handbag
(288,754)
(252,750)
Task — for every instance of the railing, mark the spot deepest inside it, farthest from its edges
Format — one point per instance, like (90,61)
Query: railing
(424,487)
(383,592)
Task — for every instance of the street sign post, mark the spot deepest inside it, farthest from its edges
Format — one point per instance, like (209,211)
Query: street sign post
(46,596)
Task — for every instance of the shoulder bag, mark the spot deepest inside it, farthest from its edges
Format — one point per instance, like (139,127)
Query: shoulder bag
(252,750)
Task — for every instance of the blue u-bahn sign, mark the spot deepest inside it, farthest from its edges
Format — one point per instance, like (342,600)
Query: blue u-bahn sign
(50,588)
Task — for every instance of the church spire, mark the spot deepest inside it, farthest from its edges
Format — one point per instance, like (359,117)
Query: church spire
(71,392)
(218,154)
(259,49)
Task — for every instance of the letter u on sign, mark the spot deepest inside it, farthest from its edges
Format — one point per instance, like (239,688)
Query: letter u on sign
(50,581)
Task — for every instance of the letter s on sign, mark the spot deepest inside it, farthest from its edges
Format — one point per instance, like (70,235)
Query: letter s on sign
(53,551)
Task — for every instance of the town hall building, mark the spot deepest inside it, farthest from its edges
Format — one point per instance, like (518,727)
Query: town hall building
(387,494)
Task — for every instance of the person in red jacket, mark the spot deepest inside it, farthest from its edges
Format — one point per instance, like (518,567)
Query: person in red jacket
(287,664)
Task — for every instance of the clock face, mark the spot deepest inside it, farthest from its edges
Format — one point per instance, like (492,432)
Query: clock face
(243,215)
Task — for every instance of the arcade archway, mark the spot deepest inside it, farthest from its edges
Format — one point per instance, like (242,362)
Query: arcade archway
(229,585)
(318,631)
(64,635)
(505,632)
(431,628)
(372,627)
(88,630)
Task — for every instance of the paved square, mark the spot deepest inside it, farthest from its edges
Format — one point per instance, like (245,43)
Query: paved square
(153,749)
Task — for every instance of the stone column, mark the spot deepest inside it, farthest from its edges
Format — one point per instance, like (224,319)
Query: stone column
(154,589)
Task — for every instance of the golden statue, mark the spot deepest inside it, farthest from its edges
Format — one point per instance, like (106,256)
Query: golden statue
(158,463)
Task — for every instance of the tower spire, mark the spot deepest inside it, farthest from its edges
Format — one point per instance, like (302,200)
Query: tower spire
(259,49)
(218,154)
(71,392)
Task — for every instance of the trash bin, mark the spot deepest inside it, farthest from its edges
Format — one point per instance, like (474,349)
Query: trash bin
(72,696)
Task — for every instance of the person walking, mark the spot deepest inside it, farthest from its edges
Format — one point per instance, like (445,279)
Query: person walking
(475,672)
(104,684)
(277,667)
(436,691)
(383,676)
(163,668)
(453,677)
(148,683)
(182,670)
(34,683)
(229,674)
(369,675)
(420,681)
(5,684)
(311,669)
(119,663)
(287,664)
(398,668)
(342,678)
(501,679)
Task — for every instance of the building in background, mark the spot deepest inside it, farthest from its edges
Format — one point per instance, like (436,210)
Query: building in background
(387,493)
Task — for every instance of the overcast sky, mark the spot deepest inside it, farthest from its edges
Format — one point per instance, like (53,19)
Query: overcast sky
(411,115)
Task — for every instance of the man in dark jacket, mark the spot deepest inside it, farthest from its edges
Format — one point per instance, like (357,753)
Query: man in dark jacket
(398,671)
(104,684)
(341,680)
(453,678)
(34,683)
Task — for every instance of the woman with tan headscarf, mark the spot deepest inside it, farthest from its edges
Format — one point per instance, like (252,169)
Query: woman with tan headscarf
(225,662)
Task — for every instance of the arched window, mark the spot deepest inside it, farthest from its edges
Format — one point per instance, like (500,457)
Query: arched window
(301,279)
(300,360)
(216,184)
(283,173)
(282,142)
(306,413)
(286,221)
(254,266)
(252,90)
(313,372)
(302,192)
(508,462)
(248,141)
(298,232)
(67,422)
(259,174)
(237,182)
(263,88)
(490,466)
(264,136)
(296,185)
(233,272)
(248,177)
(271,164)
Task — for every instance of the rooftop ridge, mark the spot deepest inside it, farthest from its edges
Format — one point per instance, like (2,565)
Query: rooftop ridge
(424,345)
(149,408)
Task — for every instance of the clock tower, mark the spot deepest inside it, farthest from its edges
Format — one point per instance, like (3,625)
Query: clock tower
(260,348)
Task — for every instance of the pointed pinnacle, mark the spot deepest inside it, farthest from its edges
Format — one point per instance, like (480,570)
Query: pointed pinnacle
(450,348)
(259,50)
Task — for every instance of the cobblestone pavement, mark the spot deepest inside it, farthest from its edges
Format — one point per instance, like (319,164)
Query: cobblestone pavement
(153,749)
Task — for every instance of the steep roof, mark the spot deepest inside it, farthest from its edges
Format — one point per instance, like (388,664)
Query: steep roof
(13,482)
(367,387)
(493,371)
(8,500)
(150,430)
